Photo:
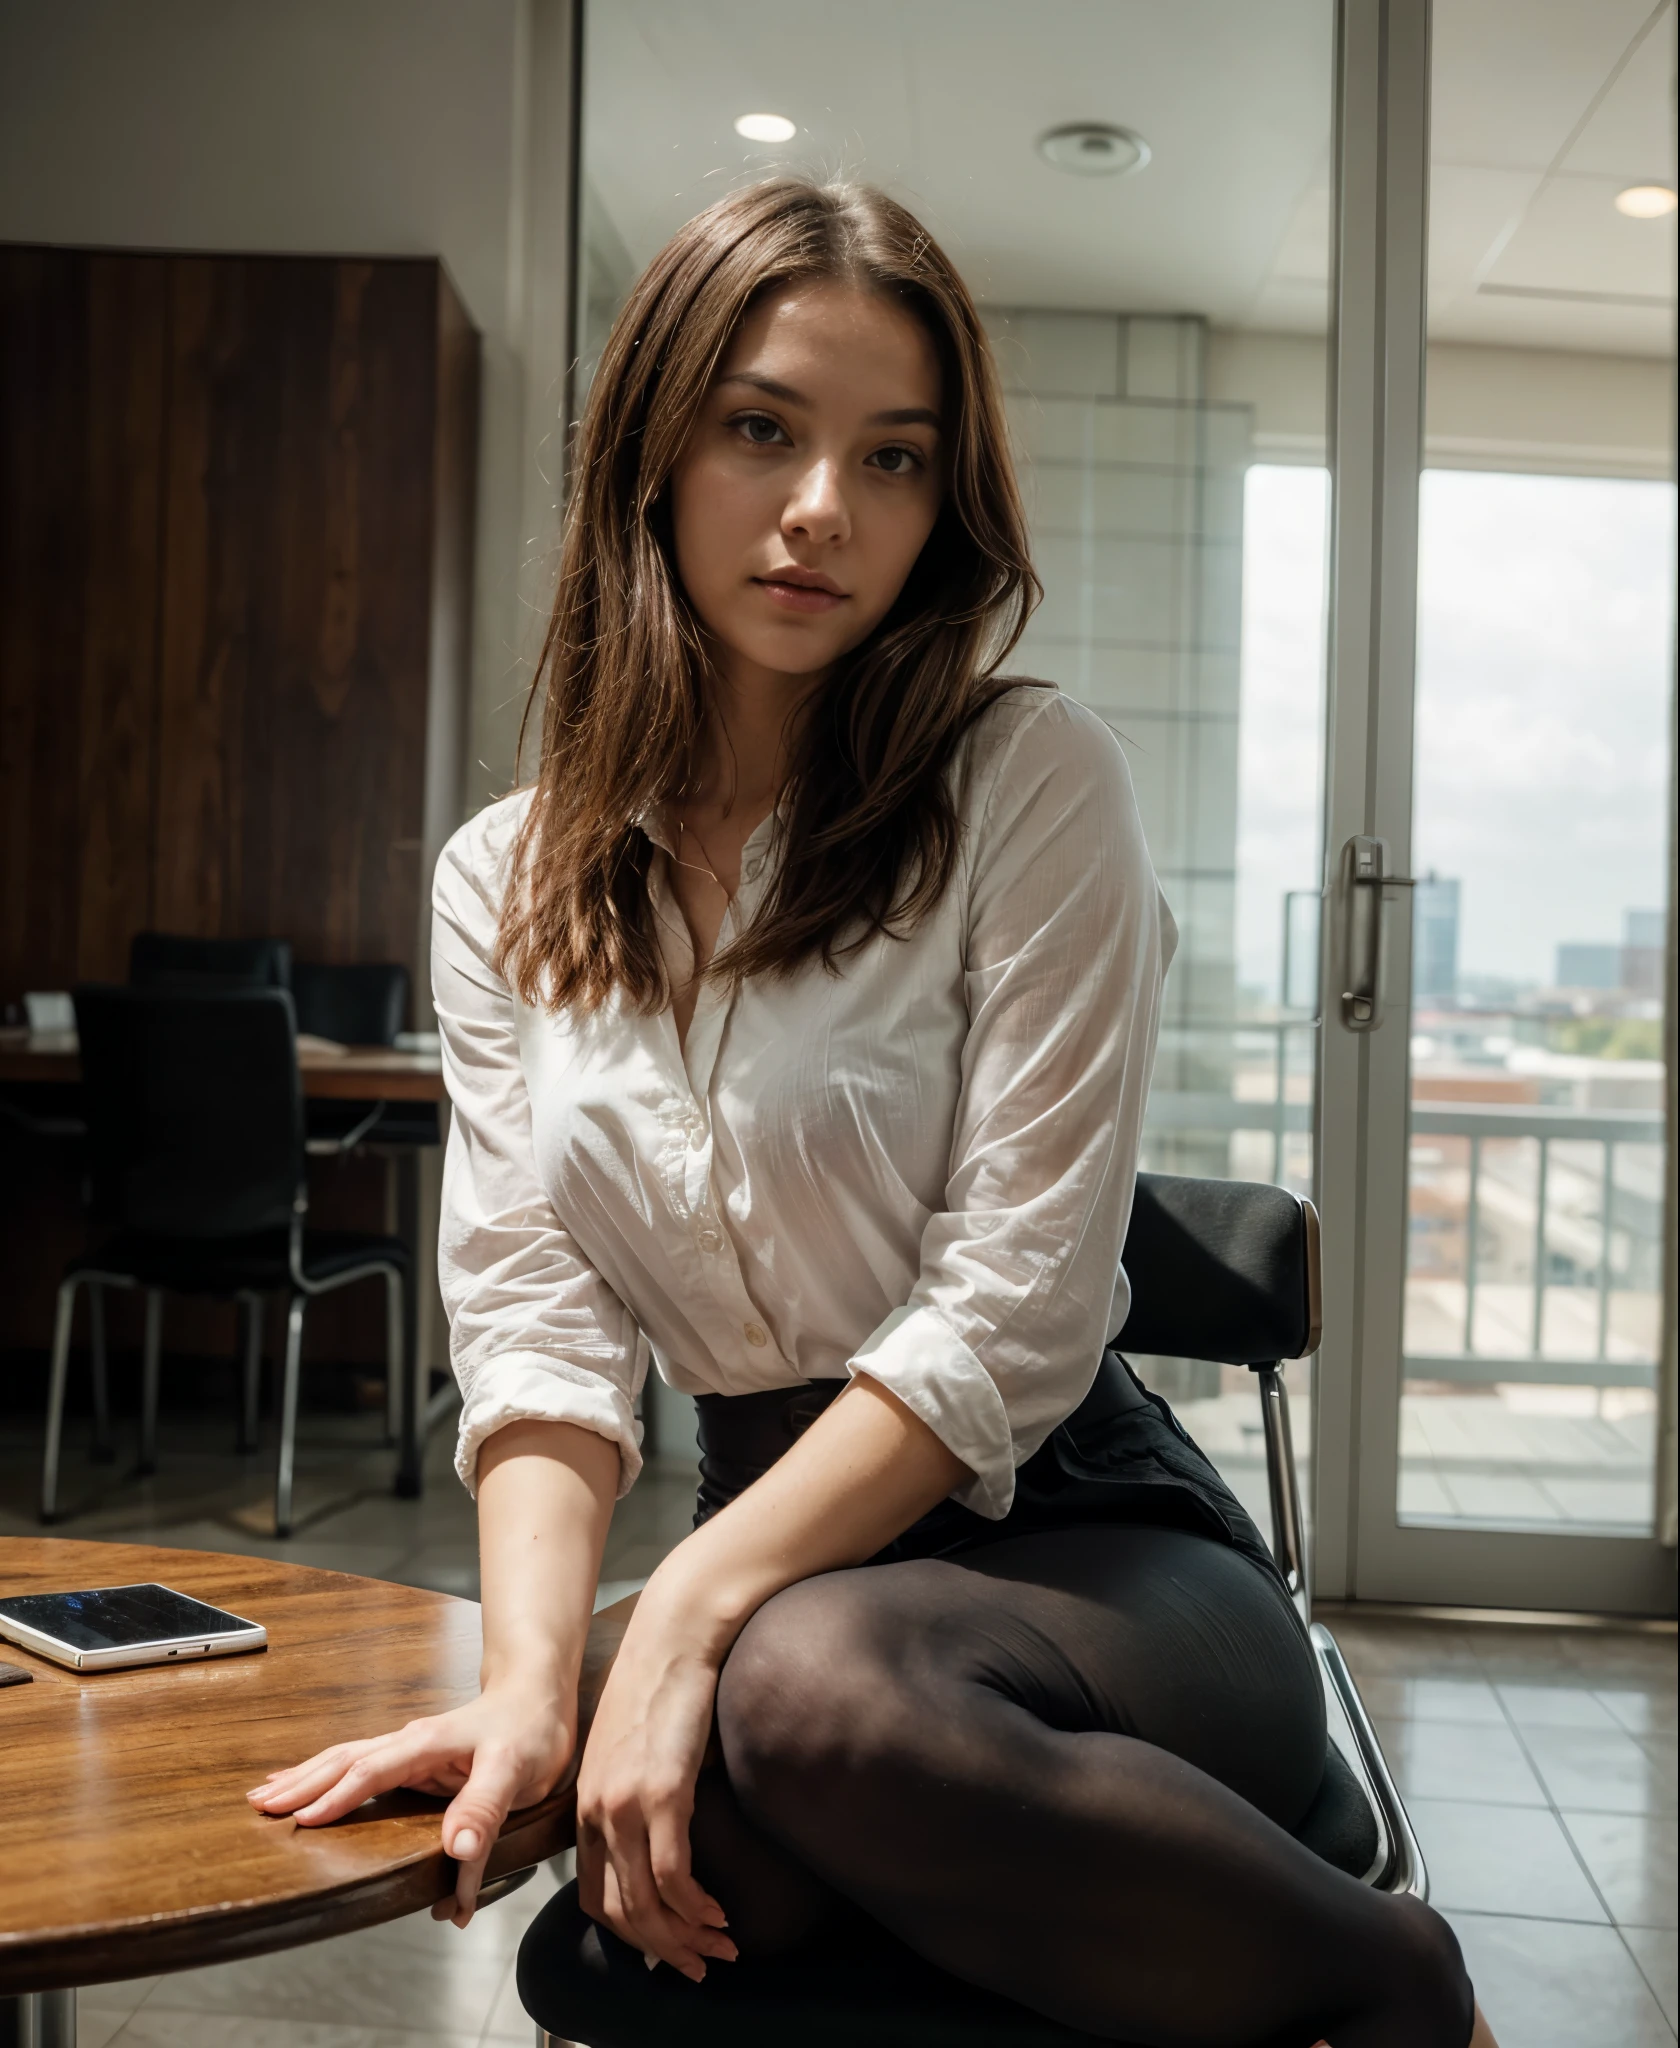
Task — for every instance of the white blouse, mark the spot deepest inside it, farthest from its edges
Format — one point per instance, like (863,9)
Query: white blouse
(920,1168)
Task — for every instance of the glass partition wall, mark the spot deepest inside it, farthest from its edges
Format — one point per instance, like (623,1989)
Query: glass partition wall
(1147,235)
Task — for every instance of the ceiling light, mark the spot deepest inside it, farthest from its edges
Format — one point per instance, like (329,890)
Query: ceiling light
(766,128)
(1093,149)
(1645,202)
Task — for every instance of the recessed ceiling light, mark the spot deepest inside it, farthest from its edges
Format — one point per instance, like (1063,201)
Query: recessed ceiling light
(766,128)
(1645,202)
(1093,149)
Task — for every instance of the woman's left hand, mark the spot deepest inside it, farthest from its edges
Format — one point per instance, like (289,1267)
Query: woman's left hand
(636,1799)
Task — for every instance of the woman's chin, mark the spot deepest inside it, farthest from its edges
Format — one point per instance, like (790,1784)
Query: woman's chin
(788,652)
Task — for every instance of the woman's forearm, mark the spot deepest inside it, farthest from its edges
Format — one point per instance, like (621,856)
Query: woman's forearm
(859,1476)
(545,1498)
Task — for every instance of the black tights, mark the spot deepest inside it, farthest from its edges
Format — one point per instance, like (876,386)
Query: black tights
(1061,1766)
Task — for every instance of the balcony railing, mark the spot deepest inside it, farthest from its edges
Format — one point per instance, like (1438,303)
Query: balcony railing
(1603,1360)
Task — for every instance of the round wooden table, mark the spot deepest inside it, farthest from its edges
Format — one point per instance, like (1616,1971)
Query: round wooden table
(127,1846)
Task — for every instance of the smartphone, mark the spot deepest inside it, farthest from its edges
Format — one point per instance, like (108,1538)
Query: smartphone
(114,1626)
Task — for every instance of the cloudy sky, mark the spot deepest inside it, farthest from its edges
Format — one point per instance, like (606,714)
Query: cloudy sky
(1545,635)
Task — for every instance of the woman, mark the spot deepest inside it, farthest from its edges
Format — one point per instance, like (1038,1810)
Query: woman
(798,1026)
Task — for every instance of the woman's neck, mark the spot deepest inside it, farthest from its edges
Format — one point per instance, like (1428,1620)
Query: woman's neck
(741,760)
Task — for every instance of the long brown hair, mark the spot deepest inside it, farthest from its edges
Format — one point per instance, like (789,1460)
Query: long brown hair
(869,832)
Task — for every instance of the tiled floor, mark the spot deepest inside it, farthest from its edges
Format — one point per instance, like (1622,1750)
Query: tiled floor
(1539,1766)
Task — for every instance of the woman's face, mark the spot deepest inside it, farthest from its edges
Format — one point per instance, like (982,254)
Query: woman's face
(812,477)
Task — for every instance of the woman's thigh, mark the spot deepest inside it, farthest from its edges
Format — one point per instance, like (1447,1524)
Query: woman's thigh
(1158,1634)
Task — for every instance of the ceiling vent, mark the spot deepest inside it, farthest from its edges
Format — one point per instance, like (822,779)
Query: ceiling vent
(1093,149)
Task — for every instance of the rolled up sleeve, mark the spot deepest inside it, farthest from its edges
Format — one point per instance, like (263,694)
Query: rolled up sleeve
(535,1333)
(1067,941)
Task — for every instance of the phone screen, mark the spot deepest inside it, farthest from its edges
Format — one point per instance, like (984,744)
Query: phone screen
(118,1617)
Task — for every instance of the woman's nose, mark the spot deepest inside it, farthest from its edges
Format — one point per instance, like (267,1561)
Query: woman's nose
(817,508)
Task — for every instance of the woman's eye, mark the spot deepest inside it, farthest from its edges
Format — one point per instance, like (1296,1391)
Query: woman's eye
(896,461)
(759,428)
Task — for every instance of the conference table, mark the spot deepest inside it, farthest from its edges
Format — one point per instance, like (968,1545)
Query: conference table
(130,1847)
(356,1073)
(329,1072)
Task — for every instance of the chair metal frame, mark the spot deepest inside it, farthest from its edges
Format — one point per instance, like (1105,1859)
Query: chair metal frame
(1399,1865)
(300,1291)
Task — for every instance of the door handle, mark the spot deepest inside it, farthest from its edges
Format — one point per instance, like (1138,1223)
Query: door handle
(1364,879)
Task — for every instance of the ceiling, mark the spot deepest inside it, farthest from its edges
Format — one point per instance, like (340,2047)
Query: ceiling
(1544,110)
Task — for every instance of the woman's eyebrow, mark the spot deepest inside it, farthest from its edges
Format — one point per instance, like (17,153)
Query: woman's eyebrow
(772,387)
(768,385)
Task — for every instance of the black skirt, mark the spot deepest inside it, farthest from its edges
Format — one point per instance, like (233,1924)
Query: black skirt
(1121,1456)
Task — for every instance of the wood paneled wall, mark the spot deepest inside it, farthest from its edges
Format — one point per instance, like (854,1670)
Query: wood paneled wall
(235,572)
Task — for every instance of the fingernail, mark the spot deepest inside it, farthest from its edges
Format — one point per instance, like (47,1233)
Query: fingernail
(466,1846)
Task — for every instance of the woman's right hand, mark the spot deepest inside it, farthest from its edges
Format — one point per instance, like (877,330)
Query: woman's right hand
(506,1749)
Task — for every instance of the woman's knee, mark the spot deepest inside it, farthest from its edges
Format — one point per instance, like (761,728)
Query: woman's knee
(1430,1981)
(813,1694)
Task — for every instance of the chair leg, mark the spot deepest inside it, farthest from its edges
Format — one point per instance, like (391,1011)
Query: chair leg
(398,1392)
(57,1380)
(288,1415)
(250,1366)
(103,1449)
(151,1364)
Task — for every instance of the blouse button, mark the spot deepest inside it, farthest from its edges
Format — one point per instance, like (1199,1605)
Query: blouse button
(755,1336)
(712,1241)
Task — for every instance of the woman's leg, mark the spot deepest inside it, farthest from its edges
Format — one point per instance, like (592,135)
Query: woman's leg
(1048,1767)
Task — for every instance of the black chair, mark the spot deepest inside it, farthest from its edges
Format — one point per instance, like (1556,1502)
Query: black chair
(1220,1270)
(365,1003)
(196,1153)
(167,960)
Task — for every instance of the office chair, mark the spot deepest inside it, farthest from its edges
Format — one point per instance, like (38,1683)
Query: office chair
(196,1151)
(364,1003)
(1220,1270)
(361,1003)
(168,960)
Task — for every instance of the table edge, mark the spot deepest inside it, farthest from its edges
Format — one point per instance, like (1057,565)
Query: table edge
(58,1960)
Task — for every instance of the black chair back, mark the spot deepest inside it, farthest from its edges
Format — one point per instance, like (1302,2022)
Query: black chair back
(167,960)
(1220,1269)
(194,1109)
(363,1004)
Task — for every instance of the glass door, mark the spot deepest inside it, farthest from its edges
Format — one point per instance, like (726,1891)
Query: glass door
(1513,971)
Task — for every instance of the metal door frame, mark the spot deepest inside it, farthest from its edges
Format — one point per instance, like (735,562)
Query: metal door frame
(1361,1115)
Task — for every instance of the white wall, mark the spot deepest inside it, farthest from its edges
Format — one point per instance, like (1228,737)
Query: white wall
(371,127)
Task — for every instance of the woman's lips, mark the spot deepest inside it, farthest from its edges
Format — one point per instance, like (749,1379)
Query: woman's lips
(798,597)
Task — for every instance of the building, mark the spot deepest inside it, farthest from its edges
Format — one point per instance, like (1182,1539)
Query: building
(1435,939)
(1587,964)
(1644,951)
